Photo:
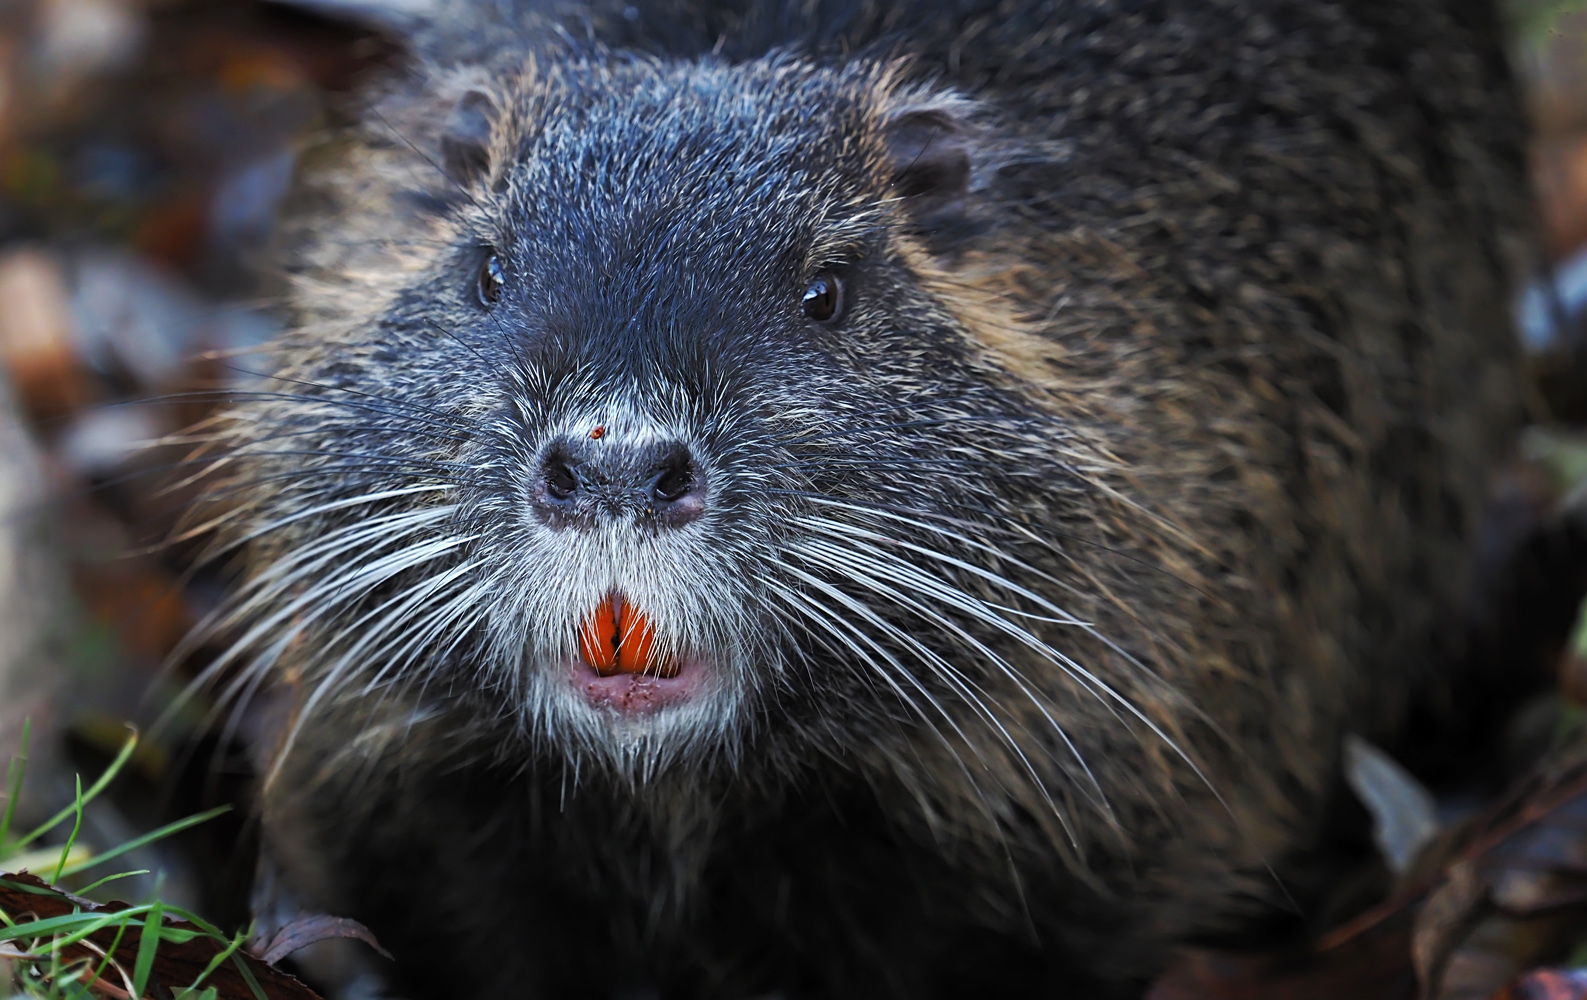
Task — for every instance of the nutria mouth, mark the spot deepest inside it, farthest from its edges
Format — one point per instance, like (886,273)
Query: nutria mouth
(618,638)
(621,666)
(636,694)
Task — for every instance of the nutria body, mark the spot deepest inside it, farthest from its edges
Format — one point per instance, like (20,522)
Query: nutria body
(1030,434)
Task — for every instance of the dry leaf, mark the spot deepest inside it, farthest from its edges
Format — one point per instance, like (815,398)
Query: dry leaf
(176,964)
(1444,920)
(305,931)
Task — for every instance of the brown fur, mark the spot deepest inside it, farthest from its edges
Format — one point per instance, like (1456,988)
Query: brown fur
(1217,324)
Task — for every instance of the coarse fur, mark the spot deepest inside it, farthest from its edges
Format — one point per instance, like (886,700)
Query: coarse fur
(1035,593)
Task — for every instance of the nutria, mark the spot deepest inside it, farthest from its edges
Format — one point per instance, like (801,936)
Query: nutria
(850,499)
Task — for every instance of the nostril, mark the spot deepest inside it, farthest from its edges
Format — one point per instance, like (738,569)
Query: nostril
(561,481)
(675,482)
(579,483)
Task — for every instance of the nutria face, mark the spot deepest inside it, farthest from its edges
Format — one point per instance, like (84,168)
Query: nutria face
(669,444)
(667,360)
(702,342)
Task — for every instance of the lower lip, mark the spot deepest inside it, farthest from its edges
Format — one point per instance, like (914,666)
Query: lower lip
(639,694)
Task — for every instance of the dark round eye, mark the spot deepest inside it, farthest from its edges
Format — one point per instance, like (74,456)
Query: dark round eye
(823,299)
(492,279)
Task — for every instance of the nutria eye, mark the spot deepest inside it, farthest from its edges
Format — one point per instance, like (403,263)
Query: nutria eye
(823,300)
(492,279)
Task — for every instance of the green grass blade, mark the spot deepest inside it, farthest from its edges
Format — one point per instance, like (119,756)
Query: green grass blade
(14,784)
(77,827)
(214,963)
(54,975)
(110,952)
(247,975)
(148,838)
(35,890)
(70,923)
(181,935)
(88,930)
(204,926)
(144,965)
(90,887)
(93,791)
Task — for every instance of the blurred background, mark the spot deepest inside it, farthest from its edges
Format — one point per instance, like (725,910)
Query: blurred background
(144,149)
(145,146)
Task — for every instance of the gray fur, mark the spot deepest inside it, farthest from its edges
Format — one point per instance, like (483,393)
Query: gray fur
(1040,590)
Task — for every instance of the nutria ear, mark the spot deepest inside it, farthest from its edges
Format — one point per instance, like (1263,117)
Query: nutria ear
(930,153)
(465,142)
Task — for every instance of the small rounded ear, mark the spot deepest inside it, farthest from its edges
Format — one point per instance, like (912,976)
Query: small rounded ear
(930,154)
(465,142)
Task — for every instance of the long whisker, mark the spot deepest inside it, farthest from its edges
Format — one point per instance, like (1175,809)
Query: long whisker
(317,601)
(1075,670)
(893,632)
(831,623)
(845,562)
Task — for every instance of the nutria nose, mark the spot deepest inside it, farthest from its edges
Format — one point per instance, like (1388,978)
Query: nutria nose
(583,481)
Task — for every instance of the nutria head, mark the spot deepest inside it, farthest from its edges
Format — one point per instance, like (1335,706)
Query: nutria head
(640,417)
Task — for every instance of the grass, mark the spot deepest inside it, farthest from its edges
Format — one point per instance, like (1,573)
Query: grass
(87,950)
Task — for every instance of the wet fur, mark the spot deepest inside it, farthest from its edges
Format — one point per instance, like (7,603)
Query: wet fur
(1042,589)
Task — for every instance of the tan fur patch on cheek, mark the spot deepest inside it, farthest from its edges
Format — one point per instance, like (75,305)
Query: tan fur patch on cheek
(982,292)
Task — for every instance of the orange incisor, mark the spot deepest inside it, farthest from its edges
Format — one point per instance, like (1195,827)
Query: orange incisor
(618,638)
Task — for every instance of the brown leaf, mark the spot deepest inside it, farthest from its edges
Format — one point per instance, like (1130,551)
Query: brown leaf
(1553,799)
(1444,920)
(305,931)
(176,964)
(1499,948)
(1536,882)
(1491,900)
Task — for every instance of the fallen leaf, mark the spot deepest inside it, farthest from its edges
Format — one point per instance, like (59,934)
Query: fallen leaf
(176,964)
(305,931)
(1444,920)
